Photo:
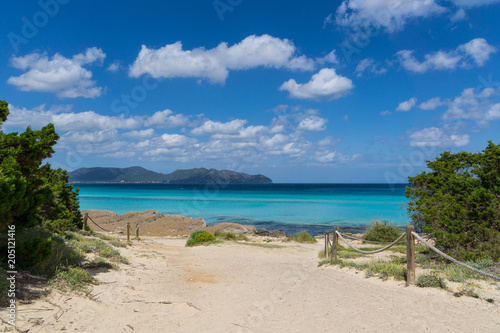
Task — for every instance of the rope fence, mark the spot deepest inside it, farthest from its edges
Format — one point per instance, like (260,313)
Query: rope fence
(375,251)
(410,251)
(455,260)
(86,217)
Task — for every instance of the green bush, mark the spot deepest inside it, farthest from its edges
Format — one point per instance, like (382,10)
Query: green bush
(32,251)
(431,280)
(382,232)
(200,237)
(457,203)
(302,237)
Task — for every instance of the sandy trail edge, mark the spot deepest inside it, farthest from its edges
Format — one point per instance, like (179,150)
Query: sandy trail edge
(241,288)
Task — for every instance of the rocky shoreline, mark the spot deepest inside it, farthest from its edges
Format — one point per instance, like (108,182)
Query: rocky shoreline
(153,223)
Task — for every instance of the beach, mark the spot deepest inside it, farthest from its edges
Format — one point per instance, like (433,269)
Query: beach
(270,286)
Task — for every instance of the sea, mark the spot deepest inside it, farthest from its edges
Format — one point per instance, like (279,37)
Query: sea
(291,208)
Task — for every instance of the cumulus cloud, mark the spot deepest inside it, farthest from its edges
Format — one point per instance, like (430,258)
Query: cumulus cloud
(406,105)
(214,64)
(67,78)
(391,15)
(431,104)
(312,123)
(166,119)
(68,121)
(474,3)
(142,134)
(436,137)
(475,52)
(369,65)
(480,107)
(210,127)
(326,84)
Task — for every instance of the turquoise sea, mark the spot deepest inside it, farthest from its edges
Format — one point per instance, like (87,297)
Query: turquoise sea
(288,207)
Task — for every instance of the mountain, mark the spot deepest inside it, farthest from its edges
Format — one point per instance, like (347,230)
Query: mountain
(181,176)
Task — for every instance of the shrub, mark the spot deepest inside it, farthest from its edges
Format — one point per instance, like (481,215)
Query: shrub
(32,251)
(302,237)
(74,277)
(230,236)
(431,280)
(386,269)
(200,237)
(457,202)
(382,232)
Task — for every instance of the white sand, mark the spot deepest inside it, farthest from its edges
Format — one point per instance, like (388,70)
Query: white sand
(240,288)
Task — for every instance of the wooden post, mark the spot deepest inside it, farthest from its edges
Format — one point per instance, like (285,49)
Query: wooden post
(128,231)
(410,256)
(137,231)
(327,240)
(335,242)
(85,217)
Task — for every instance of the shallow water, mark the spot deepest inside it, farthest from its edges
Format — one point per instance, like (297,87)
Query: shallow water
(288,207)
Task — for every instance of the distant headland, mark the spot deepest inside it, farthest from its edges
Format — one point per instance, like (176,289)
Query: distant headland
(181,176)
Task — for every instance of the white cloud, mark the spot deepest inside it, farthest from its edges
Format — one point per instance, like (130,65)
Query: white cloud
(312,123)
(435,137)
(406,105)
(114,67)
(369,65)
(391,15)
(329,58)
(481,108)
(68,121)
(328,156)
(214,127)
(385,112)
(326,84)
(459,15)
(143,134)
(119,154)
(65,77)
(475,52)
(474,3)
(328,20)
(90,136)
(214,64)
(166,119)
(478,49)
(431,104)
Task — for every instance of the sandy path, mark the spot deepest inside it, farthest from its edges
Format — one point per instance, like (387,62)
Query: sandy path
(240,288)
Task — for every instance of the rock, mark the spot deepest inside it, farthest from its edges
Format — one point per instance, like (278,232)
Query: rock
(270,233)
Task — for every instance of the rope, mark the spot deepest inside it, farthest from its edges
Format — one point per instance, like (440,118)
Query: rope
(364,240)
(371,252)
(455,260)
(97,224)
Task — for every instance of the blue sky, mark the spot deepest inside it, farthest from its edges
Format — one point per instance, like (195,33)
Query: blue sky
(323,91)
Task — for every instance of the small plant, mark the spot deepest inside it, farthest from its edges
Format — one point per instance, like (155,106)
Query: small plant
(431,281)
(302,237)
(386,269)
(199,237)
(382,232)
(468,289)
(72,277)
(230,236)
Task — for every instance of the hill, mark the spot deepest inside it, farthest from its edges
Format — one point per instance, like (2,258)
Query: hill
(181,176)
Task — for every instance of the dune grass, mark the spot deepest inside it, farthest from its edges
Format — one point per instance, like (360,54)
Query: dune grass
(302,237)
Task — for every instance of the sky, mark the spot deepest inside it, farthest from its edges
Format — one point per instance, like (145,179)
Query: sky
(353,91)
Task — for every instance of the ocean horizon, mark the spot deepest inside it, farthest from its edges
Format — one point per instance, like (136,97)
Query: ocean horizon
(288,207)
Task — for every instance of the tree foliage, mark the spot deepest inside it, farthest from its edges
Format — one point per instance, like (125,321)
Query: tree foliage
(32,193)
(458,202)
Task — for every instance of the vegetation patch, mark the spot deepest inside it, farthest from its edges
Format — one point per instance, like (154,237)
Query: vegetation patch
(386,269)
(72,278)
(230,236)
(382,232)
(302,237)
(200,237)
(431,281)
